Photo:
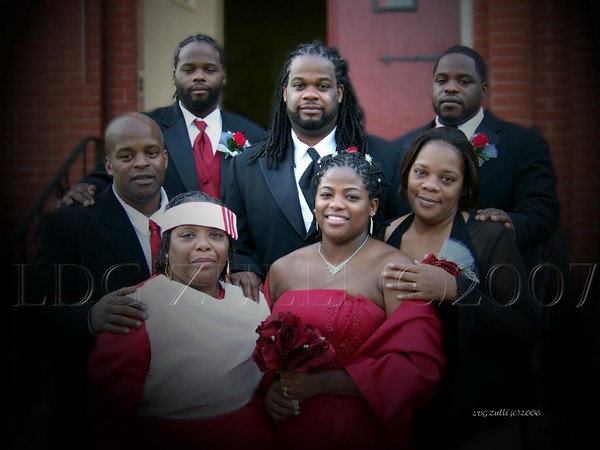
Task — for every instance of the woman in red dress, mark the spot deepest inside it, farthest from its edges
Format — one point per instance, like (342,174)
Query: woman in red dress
(389,353)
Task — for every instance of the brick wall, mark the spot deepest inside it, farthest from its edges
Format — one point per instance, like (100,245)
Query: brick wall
(121,58)
(72,68)
(540,57)
(68,77)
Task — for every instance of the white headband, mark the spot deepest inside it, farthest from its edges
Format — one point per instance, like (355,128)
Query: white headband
(205,214)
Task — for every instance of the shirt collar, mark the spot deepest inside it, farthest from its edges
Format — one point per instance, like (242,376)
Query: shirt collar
(138,220)
(324,147)
(469,127)
(213,120)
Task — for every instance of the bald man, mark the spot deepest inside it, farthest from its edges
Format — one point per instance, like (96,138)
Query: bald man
(88,261)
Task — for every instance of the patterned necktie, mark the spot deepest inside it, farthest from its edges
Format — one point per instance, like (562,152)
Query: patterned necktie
(154,241)
(306,179)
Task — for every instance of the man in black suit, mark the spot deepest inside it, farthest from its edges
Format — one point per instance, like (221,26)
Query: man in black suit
(88,261)
(199,77)
(518,182)
(315,108)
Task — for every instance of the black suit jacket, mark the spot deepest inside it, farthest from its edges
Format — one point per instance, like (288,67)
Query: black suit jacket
(521,181)
(267,206)
(181,172)
(100,252)
(98,241)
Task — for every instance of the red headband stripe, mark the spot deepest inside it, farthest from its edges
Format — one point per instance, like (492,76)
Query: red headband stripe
(228,220)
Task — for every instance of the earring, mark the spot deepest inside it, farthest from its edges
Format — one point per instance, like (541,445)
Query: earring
(227,273)
(168,269)
(371,225)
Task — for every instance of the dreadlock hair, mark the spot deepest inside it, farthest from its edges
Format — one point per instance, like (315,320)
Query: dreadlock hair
(480,66)
(349,131)
(369,171)
(199,38)
(165,240)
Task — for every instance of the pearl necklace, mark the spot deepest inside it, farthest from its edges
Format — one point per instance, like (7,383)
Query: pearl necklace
(333,270)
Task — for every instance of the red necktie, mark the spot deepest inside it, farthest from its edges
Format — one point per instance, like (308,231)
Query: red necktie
(208,165)
(202,142)
(203,153)
(154,241)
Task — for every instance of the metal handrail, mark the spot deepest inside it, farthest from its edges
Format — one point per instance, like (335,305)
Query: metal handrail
(53,186)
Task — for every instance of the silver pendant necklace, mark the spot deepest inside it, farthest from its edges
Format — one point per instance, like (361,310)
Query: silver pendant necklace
(333,270)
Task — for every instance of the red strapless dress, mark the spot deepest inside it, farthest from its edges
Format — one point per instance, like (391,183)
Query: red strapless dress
(396,362)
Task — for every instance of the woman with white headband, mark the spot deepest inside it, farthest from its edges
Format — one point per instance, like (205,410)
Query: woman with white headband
(185,379)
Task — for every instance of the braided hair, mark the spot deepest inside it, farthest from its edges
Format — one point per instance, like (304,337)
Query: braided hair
(369,172)
(349,131)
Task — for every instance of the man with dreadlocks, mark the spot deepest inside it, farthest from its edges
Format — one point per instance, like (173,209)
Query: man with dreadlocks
(316,112)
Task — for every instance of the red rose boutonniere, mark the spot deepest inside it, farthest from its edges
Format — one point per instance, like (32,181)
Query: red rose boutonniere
(285,341)
(232,144)
(479,143)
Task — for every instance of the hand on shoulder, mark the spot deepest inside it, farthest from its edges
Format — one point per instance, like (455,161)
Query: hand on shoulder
(82,193)
(497,215)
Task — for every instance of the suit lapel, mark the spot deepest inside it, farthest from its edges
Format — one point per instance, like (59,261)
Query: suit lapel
(181,154)
(225,162)
(489,126)
(228,123)
(282,185)
(414,134)
(232,123)
(119,234)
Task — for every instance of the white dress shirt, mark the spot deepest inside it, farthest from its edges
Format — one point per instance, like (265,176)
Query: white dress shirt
(141,223)
(214,126)
(469,127)
(302,159)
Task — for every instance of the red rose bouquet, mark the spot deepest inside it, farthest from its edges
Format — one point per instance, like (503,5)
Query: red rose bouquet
(285,341)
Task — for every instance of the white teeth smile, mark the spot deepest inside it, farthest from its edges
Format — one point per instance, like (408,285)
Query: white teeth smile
(336,218)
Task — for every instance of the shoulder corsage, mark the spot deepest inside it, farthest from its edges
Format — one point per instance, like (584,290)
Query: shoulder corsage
(483,149)
(232,144)
(456,259)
